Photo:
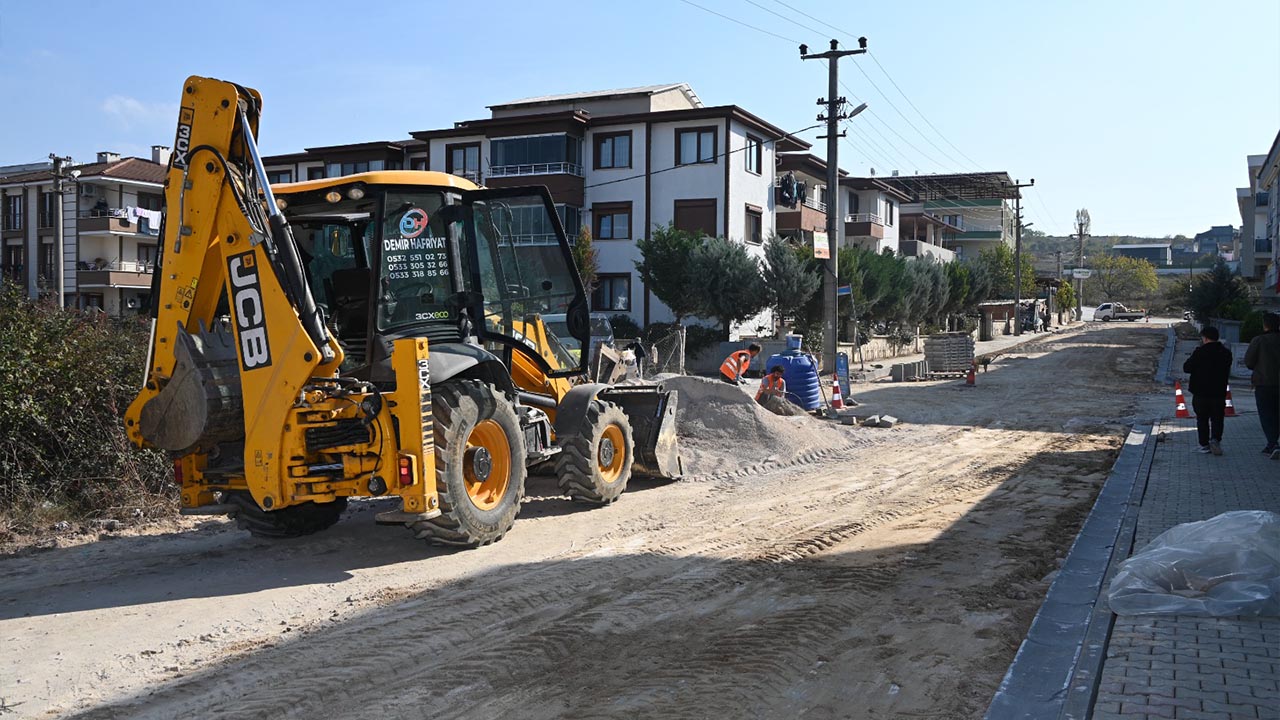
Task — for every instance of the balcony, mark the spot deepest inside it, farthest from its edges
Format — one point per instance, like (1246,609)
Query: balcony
(115,273)
(920,248)
(863,225)
(1262,245)
(812,199)
(114,220)
(555,168)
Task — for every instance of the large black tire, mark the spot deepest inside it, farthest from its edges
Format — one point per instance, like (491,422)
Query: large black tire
(595,465)
(293,521)
(470,515)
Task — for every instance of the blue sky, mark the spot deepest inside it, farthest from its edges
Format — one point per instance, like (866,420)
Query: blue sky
(1142,112)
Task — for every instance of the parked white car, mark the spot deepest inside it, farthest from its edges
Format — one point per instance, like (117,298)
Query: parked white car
(1116,311)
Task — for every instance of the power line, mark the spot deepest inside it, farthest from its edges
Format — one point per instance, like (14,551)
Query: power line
(735,20)
(724,154)
(820,22)
(904,117)
(921,114)
(784,17)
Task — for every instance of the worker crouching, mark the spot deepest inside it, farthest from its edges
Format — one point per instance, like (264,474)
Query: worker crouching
(771,386)
(734,368)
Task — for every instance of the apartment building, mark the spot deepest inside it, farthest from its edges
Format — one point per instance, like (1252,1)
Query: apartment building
(973,208)
(1268,185)
(1254,204)
(872,213)
(110,212)
(619,162)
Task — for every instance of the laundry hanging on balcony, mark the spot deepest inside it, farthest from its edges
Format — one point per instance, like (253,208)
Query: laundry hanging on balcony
(148,221)
(789,189)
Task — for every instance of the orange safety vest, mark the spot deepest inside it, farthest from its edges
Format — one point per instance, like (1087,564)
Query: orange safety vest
(736,364)
(771,383)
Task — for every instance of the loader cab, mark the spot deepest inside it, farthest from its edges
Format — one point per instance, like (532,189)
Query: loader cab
(421,254)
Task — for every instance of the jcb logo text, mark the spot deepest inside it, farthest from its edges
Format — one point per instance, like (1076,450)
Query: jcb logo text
(246,305)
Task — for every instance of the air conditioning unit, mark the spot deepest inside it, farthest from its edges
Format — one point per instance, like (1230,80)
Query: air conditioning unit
(88,190)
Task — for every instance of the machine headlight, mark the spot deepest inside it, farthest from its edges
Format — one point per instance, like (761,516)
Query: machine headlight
(281,203)
(356,192)
(333,196)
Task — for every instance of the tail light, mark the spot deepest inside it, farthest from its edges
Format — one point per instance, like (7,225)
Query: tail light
(406,472)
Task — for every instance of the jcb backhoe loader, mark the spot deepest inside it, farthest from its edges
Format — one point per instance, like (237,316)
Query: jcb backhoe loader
(378,334)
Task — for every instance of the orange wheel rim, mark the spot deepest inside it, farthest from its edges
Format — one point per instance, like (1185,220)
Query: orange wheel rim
(486,465)
(611,454)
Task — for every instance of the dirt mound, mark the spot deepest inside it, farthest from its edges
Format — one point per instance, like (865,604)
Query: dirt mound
(722,428)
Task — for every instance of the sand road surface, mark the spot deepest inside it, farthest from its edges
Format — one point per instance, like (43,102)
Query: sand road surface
(891,574)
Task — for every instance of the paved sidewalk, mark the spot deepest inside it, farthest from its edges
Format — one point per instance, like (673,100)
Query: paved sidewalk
(1198,667)
(1081,661)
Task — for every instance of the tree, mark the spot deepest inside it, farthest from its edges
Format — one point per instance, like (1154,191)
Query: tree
(998,261)
(1065,297)
(729,286)
(1117,277)
(666,267)
(788,283)
(1218,293)
(586,257)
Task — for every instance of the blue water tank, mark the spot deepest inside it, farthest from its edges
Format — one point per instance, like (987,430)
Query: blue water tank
(800,371)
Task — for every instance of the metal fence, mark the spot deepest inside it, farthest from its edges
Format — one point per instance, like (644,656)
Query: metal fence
(664,355)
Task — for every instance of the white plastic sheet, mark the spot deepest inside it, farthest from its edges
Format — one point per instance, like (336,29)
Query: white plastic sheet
(1226,565)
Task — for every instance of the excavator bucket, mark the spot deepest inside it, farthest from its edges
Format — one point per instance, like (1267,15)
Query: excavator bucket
(201,404)
(652,412)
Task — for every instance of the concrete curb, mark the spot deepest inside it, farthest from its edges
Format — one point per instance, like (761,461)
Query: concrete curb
(1056,671)
(1164,371)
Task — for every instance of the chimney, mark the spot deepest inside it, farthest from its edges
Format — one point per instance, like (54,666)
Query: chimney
(106,156)
(160,154)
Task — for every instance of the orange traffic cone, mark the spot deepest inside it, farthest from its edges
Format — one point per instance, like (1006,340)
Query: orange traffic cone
(1180,402)
(837,402)
(972,377)
(1231,409)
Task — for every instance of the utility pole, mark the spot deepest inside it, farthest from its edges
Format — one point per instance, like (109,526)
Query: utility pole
(59,174)
(1017,256)
(1082,227)
(832,116)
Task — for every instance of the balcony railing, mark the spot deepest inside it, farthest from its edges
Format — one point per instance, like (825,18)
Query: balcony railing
(138,266)
(116,219)
(558,168)
(863,217)
(532,239)
(1262,245)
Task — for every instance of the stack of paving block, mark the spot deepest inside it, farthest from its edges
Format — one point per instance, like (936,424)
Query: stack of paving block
(949,352)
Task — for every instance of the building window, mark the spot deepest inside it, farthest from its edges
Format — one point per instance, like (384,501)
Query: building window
(90,300)
(754,233)
(48,209)
(570,220)
(696,216)
(336,169)
(537,154)
(754,154)
(147,255)
(612,221)
(695,145)
(613,150)
(275,177)
(47,261)
(13,212)
(853,204)
(463,160)
(14,259)
(418,164)
(890,208)
(315,173)
(613,293)
(149,201)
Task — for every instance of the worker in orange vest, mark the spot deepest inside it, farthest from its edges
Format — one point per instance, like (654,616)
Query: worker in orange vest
(734,367)
(772,385)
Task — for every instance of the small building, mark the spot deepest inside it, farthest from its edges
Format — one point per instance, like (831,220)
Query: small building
(1158,254)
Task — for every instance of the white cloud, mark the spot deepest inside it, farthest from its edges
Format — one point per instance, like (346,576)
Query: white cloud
(130,112)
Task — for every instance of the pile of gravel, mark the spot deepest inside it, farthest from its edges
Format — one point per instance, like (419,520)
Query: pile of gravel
(722,428)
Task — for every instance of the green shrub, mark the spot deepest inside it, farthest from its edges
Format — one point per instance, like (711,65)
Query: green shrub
(68,378)
(1251,326)
(625,327)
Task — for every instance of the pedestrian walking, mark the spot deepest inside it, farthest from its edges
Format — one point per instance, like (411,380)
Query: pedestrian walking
(1044,320)
(734,368)
(1263,358)
(1209,370)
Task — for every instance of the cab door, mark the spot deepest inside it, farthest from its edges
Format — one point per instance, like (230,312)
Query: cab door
(523,271)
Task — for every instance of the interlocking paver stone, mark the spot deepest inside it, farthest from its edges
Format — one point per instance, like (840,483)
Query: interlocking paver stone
(1225,668)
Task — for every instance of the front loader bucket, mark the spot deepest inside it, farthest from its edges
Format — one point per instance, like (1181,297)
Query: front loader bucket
(652,412)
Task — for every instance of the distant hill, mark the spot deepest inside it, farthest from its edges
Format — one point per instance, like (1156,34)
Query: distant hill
(1043,246)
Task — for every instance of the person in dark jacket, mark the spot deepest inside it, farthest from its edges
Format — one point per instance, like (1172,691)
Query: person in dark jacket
(1209,369)
(1263,358)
